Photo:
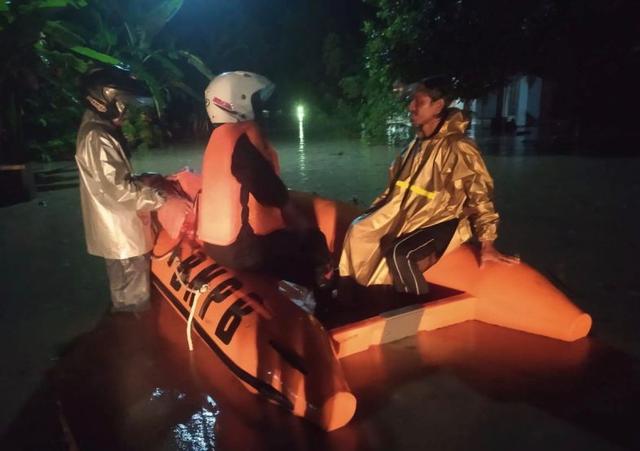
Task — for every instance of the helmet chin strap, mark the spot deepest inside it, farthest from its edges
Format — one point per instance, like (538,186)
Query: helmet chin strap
(121,107)
(115,114)
(117,121)
(97,105)
(109,112)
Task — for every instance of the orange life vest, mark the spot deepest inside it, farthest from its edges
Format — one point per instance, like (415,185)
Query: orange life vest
(220,209)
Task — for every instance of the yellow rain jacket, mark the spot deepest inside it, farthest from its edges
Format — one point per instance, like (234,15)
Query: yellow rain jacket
(434,180)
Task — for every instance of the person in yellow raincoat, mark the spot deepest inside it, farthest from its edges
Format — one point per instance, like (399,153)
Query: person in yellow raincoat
(439,196)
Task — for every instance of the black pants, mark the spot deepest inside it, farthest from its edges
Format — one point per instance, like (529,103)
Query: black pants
(300,256)
(409,255)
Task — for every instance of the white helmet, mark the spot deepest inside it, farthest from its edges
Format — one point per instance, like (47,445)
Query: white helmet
(230,97)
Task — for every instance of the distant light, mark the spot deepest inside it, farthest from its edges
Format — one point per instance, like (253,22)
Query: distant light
(300,111)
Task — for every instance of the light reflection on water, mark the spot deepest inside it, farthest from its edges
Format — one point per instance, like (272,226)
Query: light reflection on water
(343,169)
(302,158)
(198,434)
(336,168)
(157,393)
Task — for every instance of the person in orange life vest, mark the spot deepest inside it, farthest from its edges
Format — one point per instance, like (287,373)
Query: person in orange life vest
(245,219)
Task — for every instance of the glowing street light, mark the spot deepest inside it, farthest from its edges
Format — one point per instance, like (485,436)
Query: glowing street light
(300,112)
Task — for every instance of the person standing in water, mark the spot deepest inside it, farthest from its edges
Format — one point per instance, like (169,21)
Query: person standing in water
(116,205)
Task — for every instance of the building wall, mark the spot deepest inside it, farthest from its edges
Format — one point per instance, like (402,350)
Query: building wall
(534,99)
(521,102)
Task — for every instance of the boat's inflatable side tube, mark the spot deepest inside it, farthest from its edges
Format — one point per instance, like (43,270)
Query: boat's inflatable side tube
(513,296)
(274,347)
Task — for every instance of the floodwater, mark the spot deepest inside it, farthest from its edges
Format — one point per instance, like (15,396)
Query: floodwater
(339,169)
(76,378)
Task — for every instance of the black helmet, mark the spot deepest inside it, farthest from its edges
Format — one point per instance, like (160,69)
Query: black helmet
(109,90)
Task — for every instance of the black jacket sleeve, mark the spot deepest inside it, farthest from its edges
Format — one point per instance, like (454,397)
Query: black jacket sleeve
(255,173)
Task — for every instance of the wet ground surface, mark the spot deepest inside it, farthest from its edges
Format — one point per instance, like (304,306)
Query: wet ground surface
(75,378)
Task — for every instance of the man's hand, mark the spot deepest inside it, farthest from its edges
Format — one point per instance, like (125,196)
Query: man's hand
(488,253)
(152,179)
(166,186)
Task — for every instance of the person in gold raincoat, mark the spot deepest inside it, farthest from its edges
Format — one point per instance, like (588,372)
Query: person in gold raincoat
(439,196)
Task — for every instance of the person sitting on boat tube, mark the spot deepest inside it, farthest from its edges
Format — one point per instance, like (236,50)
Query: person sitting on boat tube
(438,197)
(245,218)
(116,205)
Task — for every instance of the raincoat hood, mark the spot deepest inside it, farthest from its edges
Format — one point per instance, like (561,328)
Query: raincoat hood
(455,122)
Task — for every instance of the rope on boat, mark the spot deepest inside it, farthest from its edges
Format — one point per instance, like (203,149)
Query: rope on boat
(203,289)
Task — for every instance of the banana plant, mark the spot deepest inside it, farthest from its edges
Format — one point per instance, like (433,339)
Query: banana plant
(49,43)
(129,32)
(21,28)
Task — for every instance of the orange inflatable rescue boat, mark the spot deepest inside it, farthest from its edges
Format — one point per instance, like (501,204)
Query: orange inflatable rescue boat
(285,354)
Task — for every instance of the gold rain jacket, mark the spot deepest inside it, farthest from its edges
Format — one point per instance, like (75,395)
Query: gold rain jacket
(115,207)
(434,180)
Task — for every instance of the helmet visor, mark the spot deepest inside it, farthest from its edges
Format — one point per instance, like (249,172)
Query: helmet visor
(127,98)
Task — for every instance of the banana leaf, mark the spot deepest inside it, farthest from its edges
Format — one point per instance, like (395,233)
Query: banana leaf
(150,15)
(95,55)
(59,3)
(160,15)
(197,62)
(28,7)
(57,31)
(60,59)
(180,85)
(171,71)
